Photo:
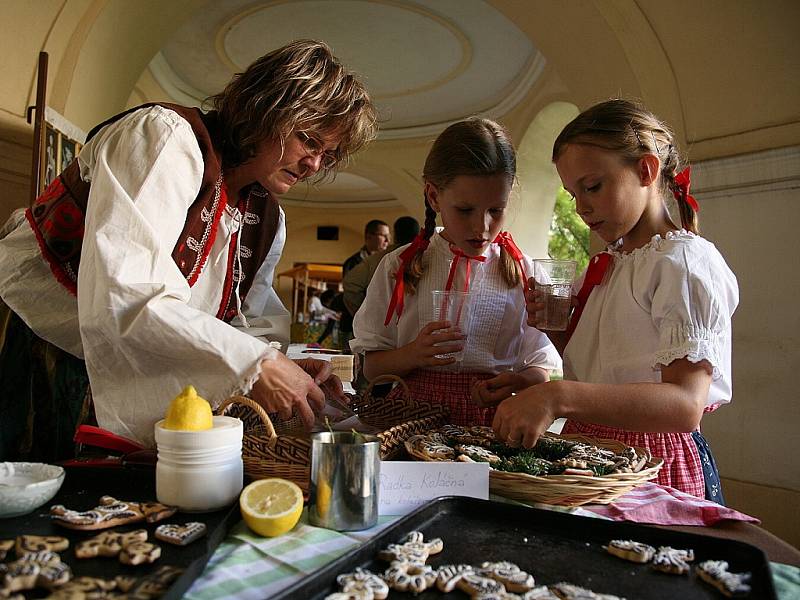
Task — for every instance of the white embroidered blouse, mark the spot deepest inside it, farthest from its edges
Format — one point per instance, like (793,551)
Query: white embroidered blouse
(498,338)
(144,333)
(673,298)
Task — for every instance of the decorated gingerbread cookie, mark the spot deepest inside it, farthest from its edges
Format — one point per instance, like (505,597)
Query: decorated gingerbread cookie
(108,543)
(25,544)
(448,575)
(363,582)
(5,547)
(110,513)
(425,448)
(137,553)
(630,550)
(715,572)
(510,575)
(34,569)
(181,535)
(673,560)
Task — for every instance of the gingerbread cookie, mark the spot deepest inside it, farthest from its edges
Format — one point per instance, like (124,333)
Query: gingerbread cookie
(84,588)
(422,446)
(630,550)
(153,585)
(110,513)
(510,575)
(5,546)
(715,572)
(477,453)
(568,591)
(363,582)
(477,436)
(411,549)
(478,586)
(673,560)
(181,535)
(35,569)
(448,575)
(137,553)
(108,543)
(541,592)
(409,577)
(25,544)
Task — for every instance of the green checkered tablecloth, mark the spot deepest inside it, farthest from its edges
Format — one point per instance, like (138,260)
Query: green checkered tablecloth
(247,566)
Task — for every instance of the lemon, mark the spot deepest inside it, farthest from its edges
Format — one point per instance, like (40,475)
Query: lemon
(188,412)
(323,498)
(271,507)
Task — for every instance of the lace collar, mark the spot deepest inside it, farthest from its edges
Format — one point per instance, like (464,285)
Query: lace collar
(653,245)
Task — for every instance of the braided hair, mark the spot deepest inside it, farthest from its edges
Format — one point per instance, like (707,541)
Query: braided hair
(631,131)
(473,147)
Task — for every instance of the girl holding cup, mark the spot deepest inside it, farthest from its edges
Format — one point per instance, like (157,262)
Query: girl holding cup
(650,345)
(484,352)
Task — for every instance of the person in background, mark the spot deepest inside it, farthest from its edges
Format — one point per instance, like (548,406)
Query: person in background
(355,283)
(650,345)
(127,272)
(376,238)
(468,176)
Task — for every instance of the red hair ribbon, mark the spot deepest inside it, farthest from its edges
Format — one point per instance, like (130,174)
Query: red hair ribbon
(598,266)
(682,183)
(506,241)
(420,244)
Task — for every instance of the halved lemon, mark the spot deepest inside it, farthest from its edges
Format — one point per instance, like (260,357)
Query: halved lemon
(271,507)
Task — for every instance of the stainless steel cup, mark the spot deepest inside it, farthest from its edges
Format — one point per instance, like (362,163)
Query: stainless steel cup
(345,473)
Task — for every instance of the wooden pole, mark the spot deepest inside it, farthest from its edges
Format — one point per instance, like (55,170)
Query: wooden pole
(38,126)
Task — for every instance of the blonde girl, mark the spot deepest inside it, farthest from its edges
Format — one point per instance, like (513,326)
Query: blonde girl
(468,177)
(650,345)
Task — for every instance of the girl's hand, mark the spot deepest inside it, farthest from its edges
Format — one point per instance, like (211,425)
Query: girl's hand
(533,302)
(422,350)
(521,419)
(491,392)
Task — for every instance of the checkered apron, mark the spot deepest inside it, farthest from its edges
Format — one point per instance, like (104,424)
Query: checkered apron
(450,389)
(682,468)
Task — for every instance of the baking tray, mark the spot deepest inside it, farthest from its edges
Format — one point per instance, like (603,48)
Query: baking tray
(82,489)
(552,546)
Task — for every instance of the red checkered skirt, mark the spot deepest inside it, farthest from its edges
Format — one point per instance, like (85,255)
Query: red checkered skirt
(682,468)
(450,389)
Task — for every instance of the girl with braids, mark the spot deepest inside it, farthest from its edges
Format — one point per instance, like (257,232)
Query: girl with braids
(650,345)
(468,178)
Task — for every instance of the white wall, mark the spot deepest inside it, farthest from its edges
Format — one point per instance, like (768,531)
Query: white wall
(749,207)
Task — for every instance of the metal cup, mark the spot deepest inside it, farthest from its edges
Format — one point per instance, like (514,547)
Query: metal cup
(345,473)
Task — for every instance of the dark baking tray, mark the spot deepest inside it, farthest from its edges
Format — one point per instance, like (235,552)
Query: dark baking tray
(552,546)
(82,489)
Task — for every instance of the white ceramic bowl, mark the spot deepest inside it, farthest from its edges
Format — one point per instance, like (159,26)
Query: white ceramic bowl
(24,486)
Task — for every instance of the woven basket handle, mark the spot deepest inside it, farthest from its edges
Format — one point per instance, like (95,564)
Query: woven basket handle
(386,379)
(255,407)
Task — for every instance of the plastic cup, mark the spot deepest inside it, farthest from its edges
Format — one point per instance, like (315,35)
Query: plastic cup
(455,307)
(345,473)
(554,279)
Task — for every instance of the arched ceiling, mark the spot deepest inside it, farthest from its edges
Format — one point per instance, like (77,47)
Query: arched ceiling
(475,61)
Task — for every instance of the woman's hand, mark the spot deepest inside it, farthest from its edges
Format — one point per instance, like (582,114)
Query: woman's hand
(521,419)
(284,387)
(322,372)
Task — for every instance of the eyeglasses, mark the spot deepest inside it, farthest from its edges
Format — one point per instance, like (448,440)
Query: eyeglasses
(315,147)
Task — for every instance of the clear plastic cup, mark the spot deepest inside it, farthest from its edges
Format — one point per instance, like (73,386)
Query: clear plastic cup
(554,279)
(456,307)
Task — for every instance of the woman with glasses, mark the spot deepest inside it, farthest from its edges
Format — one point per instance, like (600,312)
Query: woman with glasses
(130,270)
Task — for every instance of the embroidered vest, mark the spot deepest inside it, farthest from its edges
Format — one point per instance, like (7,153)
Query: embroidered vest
(58,214)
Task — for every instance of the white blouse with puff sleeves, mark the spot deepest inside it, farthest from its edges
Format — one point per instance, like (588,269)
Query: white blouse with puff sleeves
(673,298)
(498,338)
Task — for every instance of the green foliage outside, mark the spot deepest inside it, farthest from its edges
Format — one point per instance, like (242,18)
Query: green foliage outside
(569,236)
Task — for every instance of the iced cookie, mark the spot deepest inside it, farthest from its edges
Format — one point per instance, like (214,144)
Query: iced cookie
(88,588)
(409,577)
(153,585)
(108,543)
(715,572)
(137,553)
(181,535)
(362,581)
(354,595)
(5,546)
(448,575)
(630,550)
(35,569)
(510,575)
(568,591)
(477,453)
(476,585)
(110,513)
(25,544)
(421,446)
(411,549)
(541,592)
(673,560)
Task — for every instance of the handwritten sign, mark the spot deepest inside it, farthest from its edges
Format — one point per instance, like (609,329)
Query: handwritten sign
(408,485)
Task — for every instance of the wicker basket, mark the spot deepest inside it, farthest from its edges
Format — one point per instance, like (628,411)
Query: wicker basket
(283,449)
(574,490)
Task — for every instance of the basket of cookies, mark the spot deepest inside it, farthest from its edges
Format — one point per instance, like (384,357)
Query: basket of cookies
(275,448)
(568,470)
